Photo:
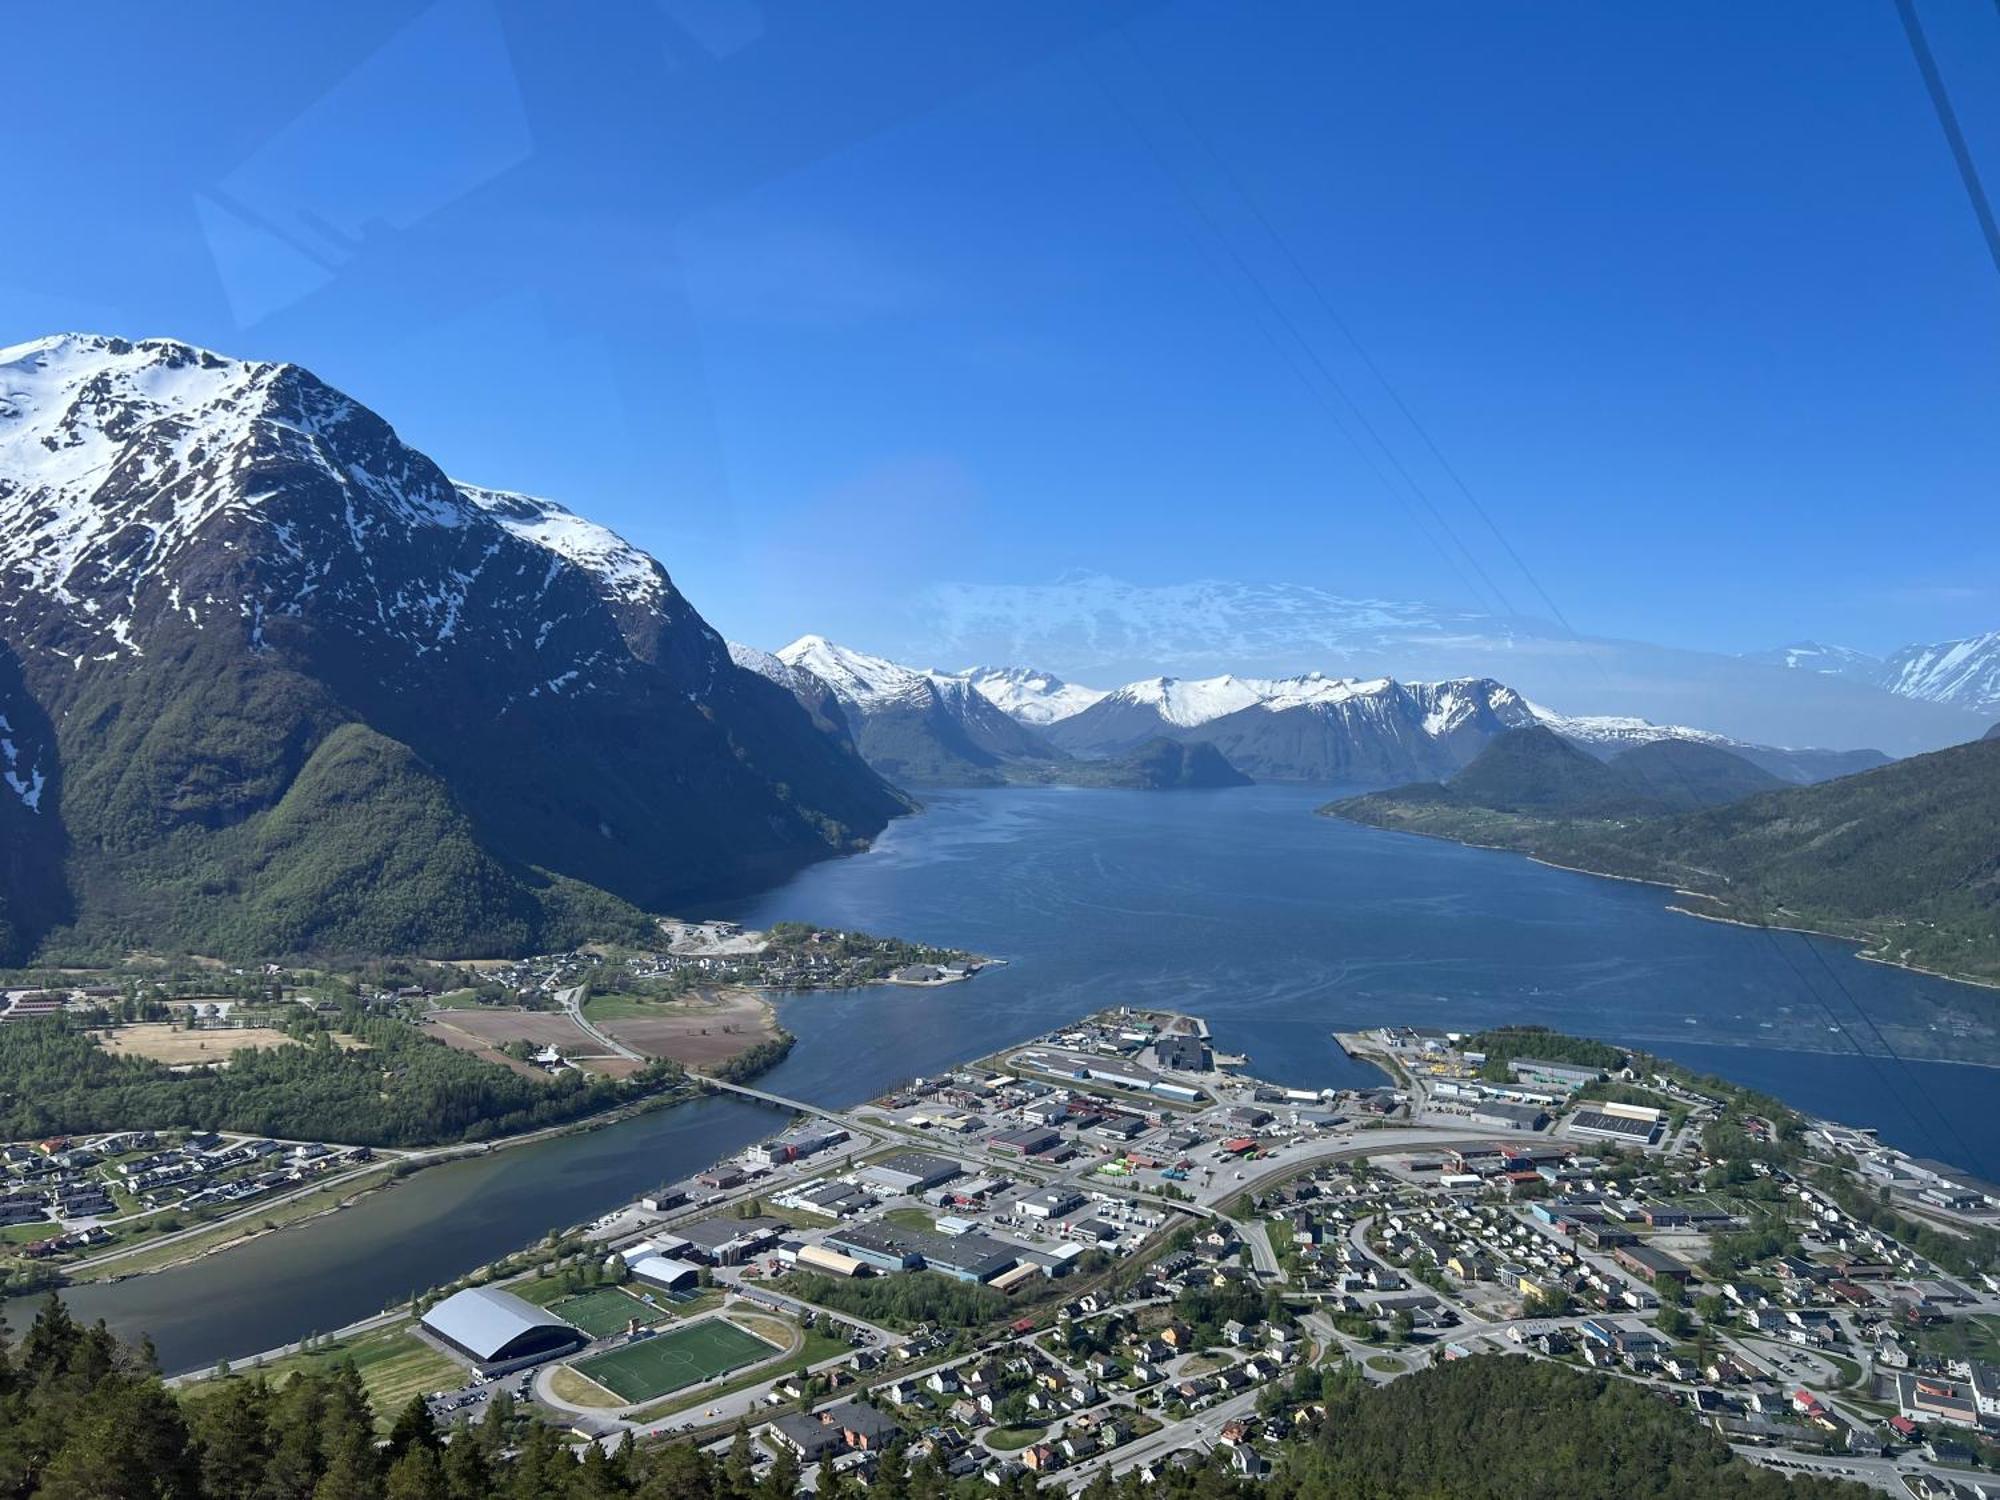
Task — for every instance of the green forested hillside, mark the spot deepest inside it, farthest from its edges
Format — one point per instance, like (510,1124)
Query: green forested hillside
(1906,857)
(366,851)
(400,1089)
(1682,775)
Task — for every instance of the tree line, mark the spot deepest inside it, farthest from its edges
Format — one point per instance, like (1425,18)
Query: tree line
(84,1417)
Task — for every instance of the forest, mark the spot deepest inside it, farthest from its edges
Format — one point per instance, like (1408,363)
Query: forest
(398,1088)
(83,1417)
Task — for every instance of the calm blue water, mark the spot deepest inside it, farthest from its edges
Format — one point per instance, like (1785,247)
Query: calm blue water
(1281,927)
(1278,926)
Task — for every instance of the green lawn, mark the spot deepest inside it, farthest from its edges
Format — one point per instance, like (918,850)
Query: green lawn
(911,1218)
(649,1368)
(622,1007)
(604,1310)
(1009,1439)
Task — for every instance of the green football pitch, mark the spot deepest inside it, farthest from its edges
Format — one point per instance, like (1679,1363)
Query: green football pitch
(658,1366)
(605,1310)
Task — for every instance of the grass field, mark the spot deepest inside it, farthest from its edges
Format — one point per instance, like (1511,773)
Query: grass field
(604,1310)
(668,1362)
(165,1042)
(394,1365)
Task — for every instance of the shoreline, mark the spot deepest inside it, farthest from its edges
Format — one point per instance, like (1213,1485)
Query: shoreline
(1860,943)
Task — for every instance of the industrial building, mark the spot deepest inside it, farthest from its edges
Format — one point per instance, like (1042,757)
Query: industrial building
(1632,1123)
(729,1242)
(795,1145)
(1562,1074)
(1051,1203)
(498,1331)
(1503,1116)
(910,1172)
(887,1247)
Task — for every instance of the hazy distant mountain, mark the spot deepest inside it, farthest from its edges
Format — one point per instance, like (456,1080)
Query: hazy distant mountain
(917,727)
(1961,674)
(1828,661)
(271,683)
(1101,629)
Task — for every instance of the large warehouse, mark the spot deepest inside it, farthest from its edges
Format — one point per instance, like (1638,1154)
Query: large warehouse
(910,1172)
(497,1330)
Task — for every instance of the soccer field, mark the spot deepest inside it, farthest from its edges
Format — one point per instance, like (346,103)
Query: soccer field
(605,1310)
(667,1362)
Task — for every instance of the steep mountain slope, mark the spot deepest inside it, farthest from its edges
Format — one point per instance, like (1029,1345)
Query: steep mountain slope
(1905,857)
(213,568)
(1965,674)
(819,701)
(920,728)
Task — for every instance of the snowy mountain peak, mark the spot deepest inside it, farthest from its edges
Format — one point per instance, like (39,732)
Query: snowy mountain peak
(1185,704)
(857,678)
(1029,695)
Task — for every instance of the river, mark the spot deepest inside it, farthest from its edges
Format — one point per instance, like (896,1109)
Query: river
(1278,926)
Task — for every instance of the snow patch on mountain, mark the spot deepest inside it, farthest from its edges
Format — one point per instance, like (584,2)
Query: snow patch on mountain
(625,572)
(1964,673)
(26,784)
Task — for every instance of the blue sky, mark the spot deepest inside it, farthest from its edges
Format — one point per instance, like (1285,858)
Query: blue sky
(821,302)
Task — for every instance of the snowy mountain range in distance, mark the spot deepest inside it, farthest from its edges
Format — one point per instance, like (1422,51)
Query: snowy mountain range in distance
(1088,627)
(980,725)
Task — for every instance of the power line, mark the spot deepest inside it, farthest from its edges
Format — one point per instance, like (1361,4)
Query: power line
(1968,170)
(1492,591)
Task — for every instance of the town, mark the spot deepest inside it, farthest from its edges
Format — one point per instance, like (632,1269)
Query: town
(1108,1251)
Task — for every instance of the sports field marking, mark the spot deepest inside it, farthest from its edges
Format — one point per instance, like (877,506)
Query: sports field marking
(649,1368)
(603,1311)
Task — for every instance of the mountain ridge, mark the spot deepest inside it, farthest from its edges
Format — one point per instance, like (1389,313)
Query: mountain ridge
(213,565)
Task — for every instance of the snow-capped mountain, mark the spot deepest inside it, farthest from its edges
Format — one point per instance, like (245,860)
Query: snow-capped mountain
(1963,673)
(1319,728)
(245,608)
(918,727)
(1105,629)
(1307,728)
(1031,696)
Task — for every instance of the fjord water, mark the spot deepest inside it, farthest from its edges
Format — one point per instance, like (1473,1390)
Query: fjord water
(1241,906)
(1281,927)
